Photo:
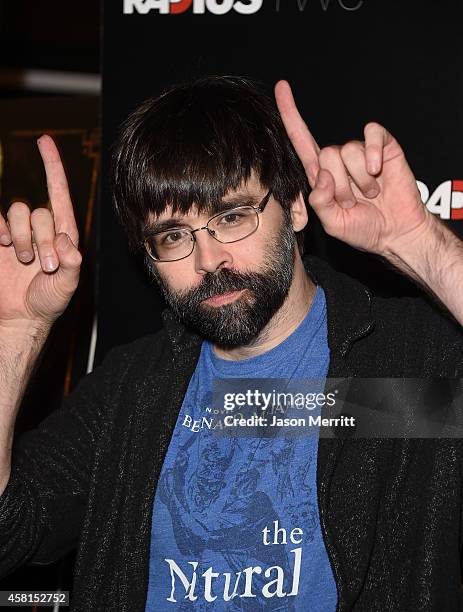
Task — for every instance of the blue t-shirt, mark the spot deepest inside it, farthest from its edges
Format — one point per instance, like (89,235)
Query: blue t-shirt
(235,519)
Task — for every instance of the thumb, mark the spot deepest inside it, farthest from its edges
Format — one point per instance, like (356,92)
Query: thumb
(70,259)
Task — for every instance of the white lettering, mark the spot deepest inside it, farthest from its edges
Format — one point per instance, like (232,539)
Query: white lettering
(296,571)
(199,7)
(424,191)
(208,575)
(219,8)
(188,586)
(271,589)
(248,9)
(226,590)
(248,572)
(206,423)
(279,582)
(294,532)
(457,200)
(145,6)
(277,531)
(138,5)
(265,531)
(440,203)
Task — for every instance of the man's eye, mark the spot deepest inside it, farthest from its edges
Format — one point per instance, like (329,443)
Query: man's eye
(231,218)
(173,238)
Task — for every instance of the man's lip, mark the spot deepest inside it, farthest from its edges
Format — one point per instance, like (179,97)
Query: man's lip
(223,298)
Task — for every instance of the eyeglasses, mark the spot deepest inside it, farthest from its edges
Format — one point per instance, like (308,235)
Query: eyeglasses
(230,226)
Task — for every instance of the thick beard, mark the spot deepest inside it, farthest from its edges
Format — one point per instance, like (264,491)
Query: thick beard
(240,322)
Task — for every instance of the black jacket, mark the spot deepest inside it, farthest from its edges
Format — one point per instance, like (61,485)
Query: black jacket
(390,510)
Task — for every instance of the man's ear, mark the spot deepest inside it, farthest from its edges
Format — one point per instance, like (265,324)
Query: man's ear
(299,216)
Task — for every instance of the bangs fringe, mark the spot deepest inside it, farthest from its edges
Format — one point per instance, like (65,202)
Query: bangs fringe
(195,143)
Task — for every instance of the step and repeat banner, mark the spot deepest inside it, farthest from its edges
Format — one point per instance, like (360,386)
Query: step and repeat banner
(349,62)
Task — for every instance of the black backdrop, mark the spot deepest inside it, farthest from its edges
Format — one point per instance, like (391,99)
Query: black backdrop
(349,62)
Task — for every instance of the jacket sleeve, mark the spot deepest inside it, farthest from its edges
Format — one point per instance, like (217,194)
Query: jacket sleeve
(426,341)
(443,337)
(43,505)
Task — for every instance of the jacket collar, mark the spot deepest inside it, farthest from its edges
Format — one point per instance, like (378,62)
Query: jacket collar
(348,305)
(348,308)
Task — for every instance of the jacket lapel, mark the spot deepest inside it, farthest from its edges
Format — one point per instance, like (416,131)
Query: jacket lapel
(350,473)
(159,398)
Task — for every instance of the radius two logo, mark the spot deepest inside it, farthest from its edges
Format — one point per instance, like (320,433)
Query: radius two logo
(446,201)
(175,7)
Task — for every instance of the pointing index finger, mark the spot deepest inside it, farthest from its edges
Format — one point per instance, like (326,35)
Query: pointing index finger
(304,143)
(58,190)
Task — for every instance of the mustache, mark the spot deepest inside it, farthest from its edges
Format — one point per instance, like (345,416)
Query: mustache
(217,283)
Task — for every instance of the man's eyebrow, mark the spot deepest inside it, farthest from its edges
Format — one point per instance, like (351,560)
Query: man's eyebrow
(215,209)
(161,226)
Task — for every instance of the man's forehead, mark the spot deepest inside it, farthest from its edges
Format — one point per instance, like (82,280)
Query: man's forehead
(247,193)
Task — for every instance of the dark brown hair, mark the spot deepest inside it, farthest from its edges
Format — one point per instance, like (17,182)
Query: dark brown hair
(193,144)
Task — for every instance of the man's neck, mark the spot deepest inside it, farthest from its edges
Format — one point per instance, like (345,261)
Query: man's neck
(293,311)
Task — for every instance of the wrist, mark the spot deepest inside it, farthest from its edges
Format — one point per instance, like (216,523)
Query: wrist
(20,345)
(20,348)
(24,331)
(415,246)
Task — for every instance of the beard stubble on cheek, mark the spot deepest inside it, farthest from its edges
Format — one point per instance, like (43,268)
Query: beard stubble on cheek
(237,323)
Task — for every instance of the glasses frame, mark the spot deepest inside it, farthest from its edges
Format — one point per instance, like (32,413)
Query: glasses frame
(258,209)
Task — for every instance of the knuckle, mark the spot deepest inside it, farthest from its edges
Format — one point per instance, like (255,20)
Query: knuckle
(373,149)
(329,153)
(351,148)
(65,228)
(74,259)
(316,199)
(45,248)
(21,238)
(77,258)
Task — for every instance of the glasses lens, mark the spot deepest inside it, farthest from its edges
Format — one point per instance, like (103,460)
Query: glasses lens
(234,224)
(170,245)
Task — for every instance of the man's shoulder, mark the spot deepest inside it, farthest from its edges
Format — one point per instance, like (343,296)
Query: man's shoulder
(348,291)
(146,352)
(415,331)
(136,351)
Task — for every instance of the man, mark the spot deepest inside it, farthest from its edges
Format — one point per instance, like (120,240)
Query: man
(166,513)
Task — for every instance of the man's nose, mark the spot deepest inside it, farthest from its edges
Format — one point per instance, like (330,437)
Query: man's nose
(210,254)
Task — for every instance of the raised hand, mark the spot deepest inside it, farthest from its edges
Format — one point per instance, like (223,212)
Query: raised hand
(363,192)
(39,258)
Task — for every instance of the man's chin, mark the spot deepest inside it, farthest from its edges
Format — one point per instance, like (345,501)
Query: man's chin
(227,326)
(231,339)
